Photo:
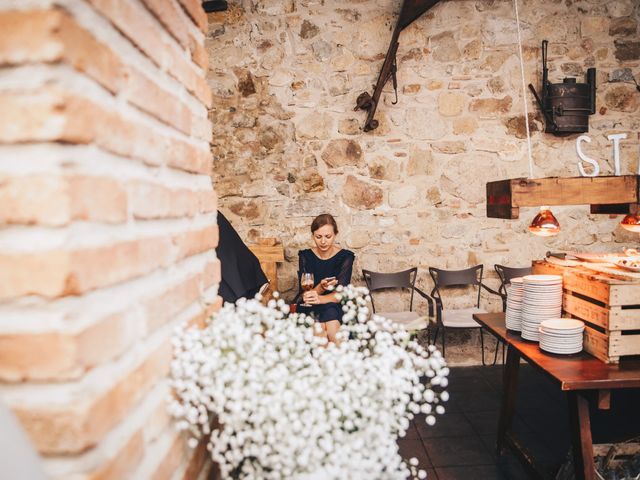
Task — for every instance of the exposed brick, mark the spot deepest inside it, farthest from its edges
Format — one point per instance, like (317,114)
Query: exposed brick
(150,200)
(196,241)
(53,36)
(40,274)
(93,268)
(78,426)
(196,12)
(208,201)
(171,459)
(167,107)
(137,24)
(177,24)
(164,306)
(60,355)
(29,200)
(97,199)
(212,273)
(200,319)
(59,273)
(53,114)
(124,462)
(157,422)
(38,356)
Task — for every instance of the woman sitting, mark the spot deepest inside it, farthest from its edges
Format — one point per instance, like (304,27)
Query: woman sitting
(330,266)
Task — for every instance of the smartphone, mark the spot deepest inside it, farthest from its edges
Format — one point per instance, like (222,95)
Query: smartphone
(330,279)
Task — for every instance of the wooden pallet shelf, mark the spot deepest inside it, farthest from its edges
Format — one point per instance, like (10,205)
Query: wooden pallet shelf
(609,306)
(611,194)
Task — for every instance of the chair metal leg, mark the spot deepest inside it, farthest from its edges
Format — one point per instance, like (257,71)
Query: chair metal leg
(495,355)
(482,345)
(435,335)
(444,330)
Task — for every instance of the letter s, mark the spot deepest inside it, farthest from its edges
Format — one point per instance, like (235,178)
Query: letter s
(584,158)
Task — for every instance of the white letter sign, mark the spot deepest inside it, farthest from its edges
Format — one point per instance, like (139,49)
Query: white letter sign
(616,150)
(584,158)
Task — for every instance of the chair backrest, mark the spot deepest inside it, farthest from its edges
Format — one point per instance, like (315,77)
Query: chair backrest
(507,273)
(405,279)
(456,278)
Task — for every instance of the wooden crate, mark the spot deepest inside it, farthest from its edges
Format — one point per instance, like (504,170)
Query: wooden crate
(610,308)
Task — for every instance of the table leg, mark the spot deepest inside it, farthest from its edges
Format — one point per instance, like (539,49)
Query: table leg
(581,441)
(509,390)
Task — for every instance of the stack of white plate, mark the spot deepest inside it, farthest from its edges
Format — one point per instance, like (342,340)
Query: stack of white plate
(515,294)
(542,301)
(561,335)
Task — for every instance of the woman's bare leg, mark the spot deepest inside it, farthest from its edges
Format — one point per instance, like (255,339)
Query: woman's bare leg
(320,330)
(332,327)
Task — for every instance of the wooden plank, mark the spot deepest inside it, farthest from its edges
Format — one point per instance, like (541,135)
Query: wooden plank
(581,441)
(621,345)
(585,286)
(499,201)
(624,319)
(541,267)
(586,310)
(612,271)
(624,295)
(268,253)
(597,344)
(605,193)
(575,191)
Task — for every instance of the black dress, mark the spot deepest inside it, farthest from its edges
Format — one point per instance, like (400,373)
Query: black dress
(242,275)
(339,266)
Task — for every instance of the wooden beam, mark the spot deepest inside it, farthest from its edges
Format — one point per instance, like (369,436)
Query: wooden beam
(504,197)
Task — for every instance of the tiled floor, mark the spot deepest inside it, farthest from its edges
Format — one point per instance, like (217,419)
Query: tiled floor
(462,443)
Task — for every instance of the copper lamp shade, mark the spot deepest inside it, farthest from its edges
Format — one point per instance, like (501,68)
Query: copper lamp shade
(631,222)
(544,224)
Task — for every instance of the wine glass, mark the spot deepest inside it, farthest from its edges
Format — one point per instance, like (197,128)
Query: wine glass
(306,282)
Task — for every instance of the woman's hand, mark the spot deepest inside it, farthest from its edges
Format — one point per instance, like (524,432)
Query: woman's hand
(311,297)
(328,282)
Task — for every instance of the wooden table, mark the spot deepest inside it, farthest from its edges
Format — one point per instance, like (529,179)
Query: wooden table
(576,374)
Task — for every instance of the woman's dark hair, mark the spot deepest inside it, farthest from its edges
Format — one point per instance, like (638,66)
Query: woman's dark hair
(322,220)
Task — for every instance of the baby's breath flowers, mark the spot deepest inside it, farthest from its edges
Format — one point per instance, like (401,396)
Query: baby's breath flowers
(290,406)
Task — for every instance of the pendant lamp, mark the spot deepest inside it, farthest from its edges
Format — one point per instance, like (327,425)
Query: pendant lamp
(544,224)
(631,222)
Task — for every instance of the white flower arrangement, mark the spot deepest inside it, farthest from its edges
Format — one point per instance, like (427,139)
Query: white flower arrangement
(287,405)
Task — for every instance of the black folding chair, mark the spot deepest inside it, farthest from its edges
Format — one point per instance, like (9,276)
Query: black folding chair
(405,281)
(459,318)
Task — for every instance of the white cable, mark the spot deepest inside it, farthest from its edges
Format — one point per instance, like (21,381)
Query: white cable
(524,91)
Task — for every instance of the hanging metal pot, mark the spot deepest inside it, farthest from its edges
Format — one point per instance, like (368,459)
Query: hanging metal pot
(566,106)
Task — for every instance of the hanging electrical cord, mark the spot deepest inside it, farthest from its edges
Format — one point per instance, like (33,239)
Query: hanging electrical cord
(524,90)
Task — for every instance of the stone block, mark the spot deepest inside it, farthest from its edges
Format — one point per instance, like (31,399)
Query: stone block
(491,105)
(361,195)
(622,98)
(623,27)
(451,104)
(342,152)
(465,125)
(314,126)
(382,168)
(403,196)
(627,50)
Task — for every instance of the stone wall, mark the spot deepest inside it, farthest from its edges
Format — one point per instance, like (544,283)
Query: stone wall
(288,145)
(108,224)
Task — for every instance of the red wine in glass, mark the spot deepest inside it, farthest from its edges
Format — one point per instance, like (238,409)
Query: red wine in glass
(306,282)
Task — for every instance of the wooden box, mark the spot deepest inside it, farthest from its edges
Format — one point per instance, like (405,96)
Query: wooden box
(608,304)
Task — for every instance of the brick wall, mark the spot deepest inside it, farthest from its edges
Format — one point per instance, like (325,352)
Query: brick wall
(108,226)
